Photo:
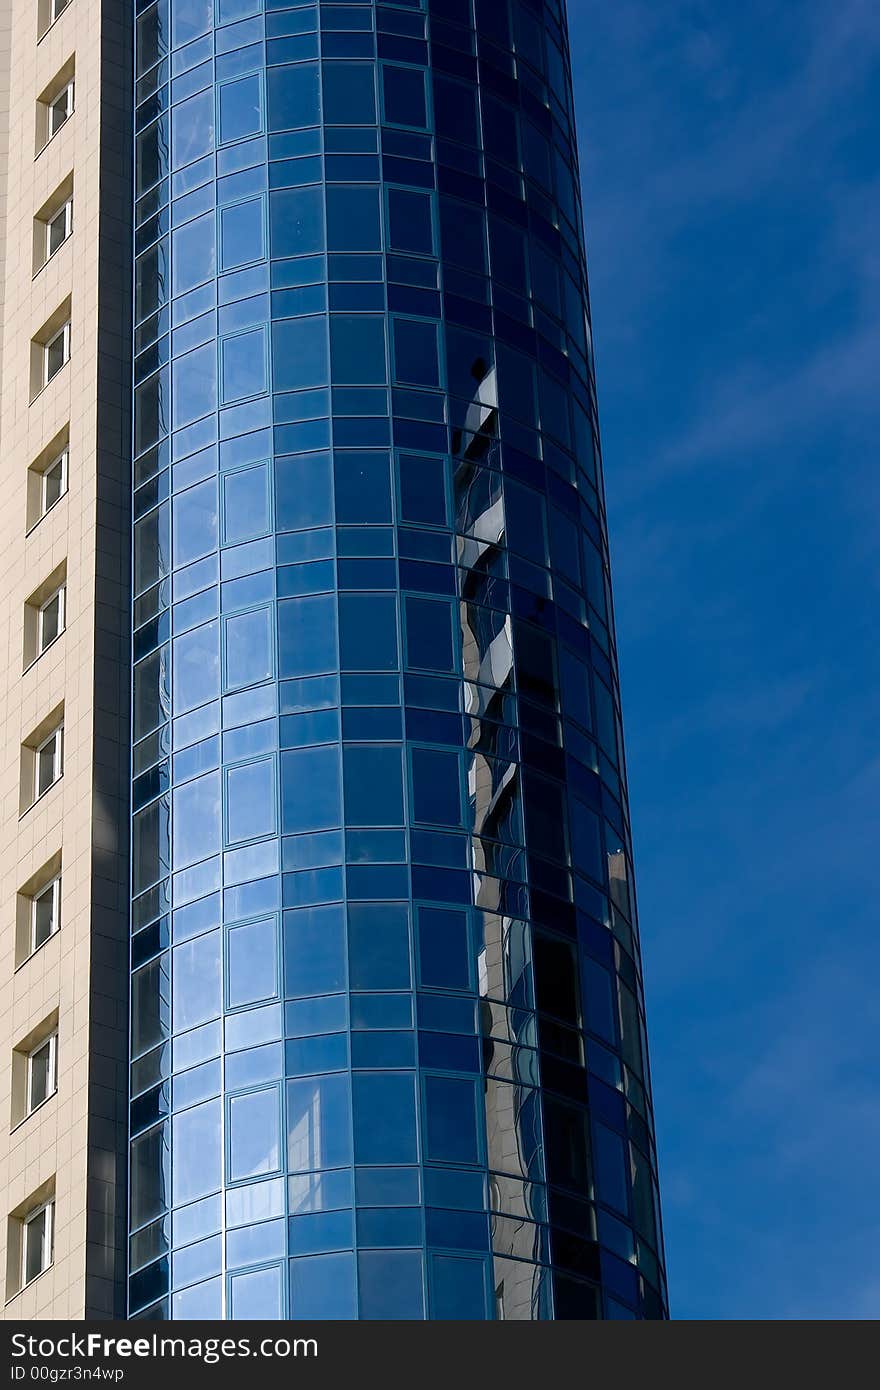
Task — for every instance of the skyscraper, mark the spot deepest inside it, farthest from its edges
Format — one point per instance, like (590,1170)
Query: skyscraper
(387,1044)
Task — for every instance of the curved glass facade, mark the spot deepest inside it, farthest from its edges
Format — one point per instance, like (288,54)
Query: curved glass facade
(388,1045)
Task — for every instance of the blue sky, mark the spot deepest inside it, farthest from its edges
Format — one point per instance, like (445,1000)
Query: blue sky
(731,164)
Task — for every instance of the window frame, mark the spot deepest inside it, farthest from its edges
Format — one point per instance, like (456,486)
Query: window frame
(67,92)
(65,211)
(53,887)
(56,734)
(56,10)
(61,595)
(64,459)
(63,333)
(51,1041)
(47,1249)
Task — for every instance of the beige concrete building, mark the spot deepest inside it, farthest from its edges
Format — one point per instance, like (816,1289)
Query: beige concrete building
(64,518)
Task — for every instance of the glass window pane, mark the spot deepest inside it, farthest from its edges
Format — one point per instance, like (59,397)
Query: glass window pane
(436,781)
(314,950)
(293,96)
(249,657)
(242,234)
(300,354)
(246,509)
(353,218)
(322,1287)
(250,801)
(451,1121)
(391,1286)
(241,108)
(373,785)
(254,1134)
(198,1152)
(297,221)
(196,981)
(349,94)
(384,1117)
(368,632)
(252,956)
(258,1295)
(318,1123)
(310,790)
(196,820)
(307,635)
(410,222)
(378,946)
(357,349)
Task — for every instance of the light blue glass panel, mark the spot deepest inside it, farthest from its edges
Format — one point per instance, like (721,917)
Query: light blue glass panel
(196,820)
(254,1134)
(196,982)
(252,955)
(257,1296)
(244,368)
(249,657)
(318,1123)
(197,1152)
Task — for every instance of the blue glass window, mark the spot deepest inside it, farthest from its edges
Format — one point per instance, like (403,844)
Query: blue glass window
(198,1152)
(403,91)
(373,785)
(196,820)
(257,1295)
(314,950)
(391,1285)
(196,980)
(304,489)
(254,1134)
(363,488)
(250,801)
(416,358)
(192,258)
(196,667)
(241,108)
(410,222)
(297,221)
(244,368)
(300,354)
(384,1117)
(349,94)
(248,648)
(378,946)
(357,349)
(368,632)
(353,218)
(318,1123)
(436,786)
(458,1288)
(322,1287)
(310,789)
(246,510)
(451,1120)
(444,950)
(429,642)
(293,96)
(252,956)
(307,635)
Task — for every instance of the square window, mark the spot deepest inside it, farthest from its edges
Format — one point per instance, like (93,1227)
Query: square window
(363,489)
(246,507)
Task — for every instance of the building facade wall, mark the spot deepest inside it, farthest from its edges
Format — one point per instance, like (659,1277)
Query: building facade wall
(388,1045)
(71,1149)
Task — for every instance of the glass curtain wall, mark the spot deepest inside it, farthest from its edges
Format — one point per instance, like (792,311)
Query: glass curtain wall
(388,1044)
